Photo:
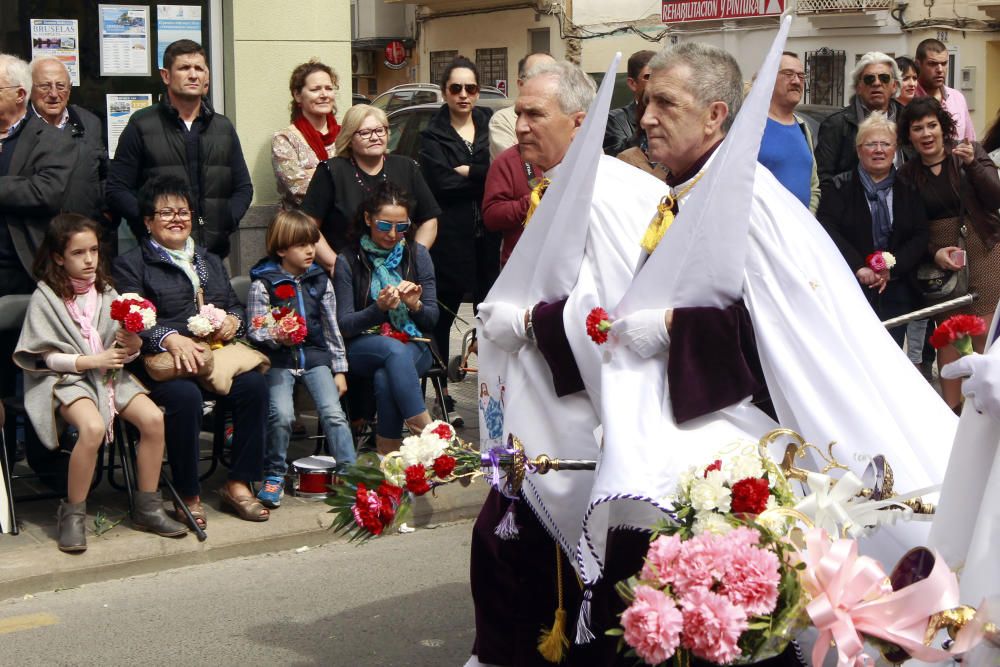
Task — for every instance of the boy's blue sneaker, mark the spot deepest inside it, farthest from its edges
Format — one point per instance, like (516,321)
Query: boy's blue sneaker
(270,494)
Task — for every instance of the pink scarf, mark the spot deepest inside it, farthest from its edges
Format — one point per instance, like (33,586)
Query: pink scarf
(86,317)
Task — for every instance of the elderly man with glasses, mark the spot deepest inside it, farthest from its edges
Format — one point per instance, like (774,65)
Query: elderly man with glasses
(50,93)
(875,78)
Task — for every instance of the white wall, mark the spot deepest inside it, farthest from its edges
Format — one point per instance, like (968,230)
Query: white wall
(586,12)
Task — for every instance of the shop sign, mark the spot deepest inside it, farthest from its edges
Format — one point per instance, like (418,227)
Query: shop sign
(502,85)
(395,55)
(676,11)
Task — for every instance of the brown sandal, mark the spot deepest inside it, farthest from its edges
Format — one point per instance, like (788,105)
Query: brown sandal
(247,507)
(197,513)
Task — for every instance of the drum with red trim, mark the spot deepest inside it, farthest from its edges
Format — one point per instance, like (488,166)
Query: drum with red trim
(312,476)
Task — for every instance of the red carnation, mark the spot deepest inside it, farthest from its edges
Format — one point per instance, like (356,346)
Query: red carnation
(366,512)
(444,431)
(119,309)
(279,313)
(876,262)
(750,495)
(284,291)
(416,479)
(598,325)
(957,330)
(387,330)
(717,465)
(444,465)
(133,322)
(390,491)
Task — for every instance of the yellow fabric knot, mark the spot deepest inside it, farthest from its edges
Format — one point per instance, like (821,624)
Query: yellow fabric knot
(538,187)
(659,225)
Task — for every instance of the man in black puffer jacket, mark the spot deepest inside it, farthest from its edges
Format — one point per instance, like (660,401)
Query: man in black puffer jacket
(182,136)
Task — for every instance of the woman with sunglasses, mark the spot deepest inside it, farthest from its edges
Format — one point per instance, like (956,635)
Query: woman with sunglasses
(961,192)
(386,298)
(455,156)
(361,163)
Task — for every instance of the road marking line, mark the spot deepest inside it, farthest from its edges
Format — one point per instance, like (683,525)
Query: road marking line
(26,622)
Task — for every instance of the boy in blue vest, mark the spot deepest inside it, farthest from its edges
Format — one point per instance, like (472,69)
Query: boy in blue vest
(287,282)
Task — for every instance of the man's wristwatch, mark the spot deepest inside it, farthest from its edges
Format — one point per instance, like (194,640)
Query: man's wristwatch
(529,326)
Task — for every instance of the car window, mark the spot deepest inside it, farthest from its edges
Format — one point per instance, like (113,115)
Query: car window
(398,100)
(491,95)
(425,97)
(397,128)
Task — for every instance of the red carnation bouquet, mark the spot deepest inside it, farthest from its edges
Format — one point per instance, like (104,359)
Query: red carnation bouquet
(388,330)
(958,331)
(285,326)
(133,313)
(434,457)
(880,260)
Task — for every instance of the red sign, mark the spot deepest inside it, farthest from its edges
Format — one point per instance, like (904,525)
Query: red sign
(676,11)
(502,85)
(395,53)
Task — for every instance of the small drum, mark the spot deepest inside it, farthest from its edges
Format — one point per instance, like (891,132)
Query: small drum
(312,476)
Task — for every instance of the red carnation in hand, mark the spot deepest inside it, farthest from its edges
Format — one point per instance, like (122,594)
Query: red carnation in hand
(598,325)
(750,495)
(119,309)
(716,465)
(133,322)
(444,465)
(279,313)
(416,480)
(284,291)
(444,431)
(957,330)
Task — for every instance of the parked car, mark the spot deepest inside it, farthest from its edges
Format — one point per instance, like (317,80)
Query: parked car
(358,98)
(406,124)
(410,94)
(813,115)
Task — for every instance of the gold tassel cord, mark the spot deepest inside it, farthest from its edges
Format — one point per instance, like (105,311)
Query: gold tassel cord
(553,643)
(664,217)
(538,187)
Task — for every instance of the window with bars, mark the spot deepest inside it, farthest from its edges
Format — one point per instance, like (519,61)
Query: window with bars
(492,64)
(439,62)
(825,76)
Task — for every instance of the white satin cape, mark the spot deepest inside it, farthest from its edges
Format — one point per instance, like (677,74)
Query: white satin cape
(833,372)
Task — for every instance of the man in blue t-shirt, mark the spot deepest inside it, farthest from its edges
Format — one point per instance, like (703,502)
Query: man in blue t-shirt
(786,148)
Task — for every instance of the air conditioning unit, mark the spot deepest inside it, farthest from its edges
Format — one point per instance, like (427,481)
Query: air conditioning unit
(363,63)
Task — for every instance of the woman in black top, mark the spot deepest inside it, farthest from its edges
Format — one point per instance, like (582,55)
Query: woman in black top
(455,156)
(342,183)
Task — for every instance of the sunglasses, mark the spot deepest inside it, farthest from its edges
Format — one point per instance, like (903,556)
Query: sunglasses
(470,88)
(387,226)
(869,79)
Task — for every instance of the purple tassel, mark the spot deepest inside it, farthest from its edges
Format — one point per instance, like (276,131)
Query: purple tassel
(583,633)
(507,528)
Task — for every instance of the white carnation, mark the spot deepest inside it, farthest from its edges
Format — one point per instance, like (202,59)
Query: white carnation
(710,522)
(200,326)
(743,466)
(889,259)
(148,318)
(710,493)
(130,296)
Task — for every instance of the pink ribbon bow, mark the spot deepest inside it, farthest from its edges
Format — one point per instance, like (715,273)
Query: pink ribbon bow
(852,598)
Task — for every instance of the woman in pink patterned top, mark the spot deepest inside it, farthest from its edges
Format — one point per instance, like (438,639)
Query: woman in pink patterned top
(297,149)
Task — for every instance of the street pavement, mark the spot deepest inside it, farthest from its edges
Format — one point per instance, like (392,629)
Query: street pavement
(398,600)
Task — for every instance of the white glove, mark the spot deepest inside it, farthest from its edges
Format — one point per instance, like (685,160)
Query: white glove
(645,331)
(503,324)
(982,381)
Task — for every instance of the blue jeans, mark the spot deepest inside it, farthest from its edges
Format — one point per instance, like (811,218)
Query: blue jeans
(395,369)
(281,412)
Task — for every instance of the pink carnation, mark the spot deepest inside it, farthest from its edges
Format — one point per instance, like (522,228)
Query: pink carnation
(752,580)
(712,626)
(702,563)
(742,537)
(652,625)
(660,559)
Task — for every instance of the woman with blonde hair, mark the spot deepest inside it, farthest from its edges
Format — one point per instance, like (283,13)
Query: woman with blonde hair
(297,149)
(362,162)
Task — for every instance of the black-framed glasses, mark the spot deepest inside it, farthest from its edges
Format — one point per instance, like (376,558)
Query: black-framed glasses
(792,74)
(170,214)
(869,79)
(379,132)
(48,87)
(387,226)
(470,88)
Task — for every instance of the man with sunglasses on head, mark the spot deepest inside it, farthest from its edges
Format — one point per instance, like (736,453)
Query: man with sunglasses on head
(182,136)
(932,73)
(876,78)
(623,123)
(50,92)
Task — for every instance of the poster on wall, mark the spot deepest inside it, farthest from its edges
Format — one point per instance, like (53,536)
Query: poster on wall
(175,22)
(124,40)
(60,39)
(120,109)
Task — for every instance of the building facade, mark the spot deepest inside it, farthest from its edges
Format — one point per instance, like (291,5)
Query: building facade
(829,35)
(382,46)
